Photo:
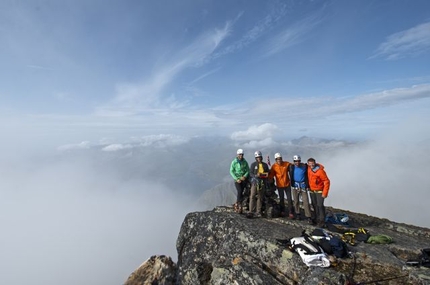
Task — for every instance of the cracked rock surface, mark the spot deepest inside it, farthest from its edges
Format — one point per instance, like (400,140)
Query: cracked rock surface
(223,247)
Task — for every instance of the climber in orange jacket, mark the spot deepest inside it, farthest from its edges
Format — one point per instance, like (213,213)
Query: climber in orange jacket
(279,171)
(319,185)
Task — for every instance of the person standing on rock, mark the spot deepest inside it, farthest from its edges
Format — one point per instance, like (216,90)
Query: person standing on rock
(239,170)
(258,173)
(300,187)
(319,185)
(279,171)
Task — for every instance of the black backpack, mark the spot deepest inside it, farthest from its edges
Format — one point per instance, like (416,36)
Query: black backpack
(338,246)
(331,244)
(425,257)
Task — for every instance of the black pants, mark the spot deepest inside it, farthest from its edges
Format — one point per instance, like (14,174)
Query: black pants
(286,190)
(239,188)
(318,203)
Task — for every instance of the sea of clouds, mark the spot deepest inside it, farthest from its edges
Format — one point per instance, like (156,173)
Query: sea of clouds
(91,213)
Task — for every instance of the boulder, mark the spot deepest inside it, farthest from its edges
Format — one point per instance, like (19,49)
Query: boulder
(223,247)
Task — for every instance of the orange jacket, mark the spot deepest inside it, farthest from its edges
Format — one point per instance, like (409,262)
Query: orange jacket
(280,172)
(318,180)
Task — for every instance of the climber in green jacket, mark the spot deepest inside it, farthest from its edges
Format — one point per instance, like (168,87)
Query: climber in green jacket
(239,170)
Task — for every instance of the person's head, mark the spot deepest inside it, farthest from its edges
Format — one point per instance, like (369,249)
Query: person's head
(258,156)
(239,154)
(278,158)
(311,162)
(297,159)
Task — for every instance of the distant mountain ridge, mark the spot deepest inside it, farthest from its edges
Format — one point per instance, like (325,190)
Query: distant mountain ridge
(195,165)
(312,141)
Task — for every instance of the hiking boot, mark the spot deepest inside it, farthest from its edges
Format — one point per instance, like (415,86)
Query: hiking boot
(235,207)
(310,221)
(257,215)
(291,216)
(298,217)
(240,209)
(282,214)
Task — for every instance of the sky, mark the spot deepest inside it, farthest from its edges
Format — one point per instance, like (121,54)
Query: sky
(76,71)
(90,88)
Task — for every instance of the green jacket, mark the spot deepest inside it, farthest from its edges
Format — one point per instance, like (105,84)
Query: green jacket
(239,168)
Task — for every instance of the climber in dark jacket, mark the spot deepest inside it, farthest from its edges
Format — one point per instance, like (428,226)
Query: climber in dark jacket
(258,173)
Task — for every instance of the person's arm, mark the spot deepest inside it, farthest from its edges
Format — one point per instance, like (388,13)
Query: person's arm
(246,175)
(291,174)
(252,172)
(232,170)
(272,172)
(326,181)
(306,177)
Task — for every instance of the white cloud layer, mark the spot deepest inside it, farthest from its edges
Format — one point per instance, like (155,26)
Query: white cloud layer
(384,177)
(74,223)
(81,145)
(255,132)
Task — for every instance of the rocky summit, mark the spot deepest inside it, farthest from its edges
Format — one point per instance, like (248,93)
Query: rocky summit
(223,247)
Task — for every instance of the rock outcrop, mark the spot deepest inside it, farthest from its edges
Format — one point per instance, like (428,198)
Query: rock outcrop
(156,270)
(223,247)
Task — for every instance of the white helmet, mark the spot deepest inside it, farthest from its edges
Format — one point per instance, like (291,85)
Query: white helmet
(239,151)
(297,157)
(258,154)
(278,155)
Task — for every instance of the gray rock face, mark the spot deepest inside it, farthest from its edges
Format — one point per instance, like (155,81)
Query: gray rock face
(223,247)
(156,270)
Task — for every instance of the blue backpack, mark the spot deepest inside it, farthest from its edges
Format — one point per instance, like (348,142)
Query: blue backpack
(337,218)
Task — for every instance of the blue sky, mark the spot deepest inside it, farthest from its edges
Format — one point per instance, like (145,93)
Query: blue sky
(77,71)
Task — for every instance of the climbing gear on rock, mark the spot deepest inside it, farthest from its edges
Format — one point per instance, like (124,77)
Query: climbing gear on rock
(349,238)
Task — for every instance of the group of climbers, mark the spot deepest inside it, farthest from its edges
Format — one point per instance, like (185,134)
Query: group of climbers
(293,180)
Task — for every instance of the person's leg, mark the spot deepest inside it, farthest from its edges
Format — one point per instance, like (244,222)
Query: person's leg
(289,200)
(260,196)
(295,192)
(239,192)
(252,197)
(321,208)
(306,207)
(313,196)
(281,199)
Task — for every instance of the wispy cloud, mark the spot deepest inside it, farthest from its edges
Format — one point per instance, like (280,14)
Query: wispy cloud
(411,42)
(330,105)
(294,34)
(134,98)
(258,30)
